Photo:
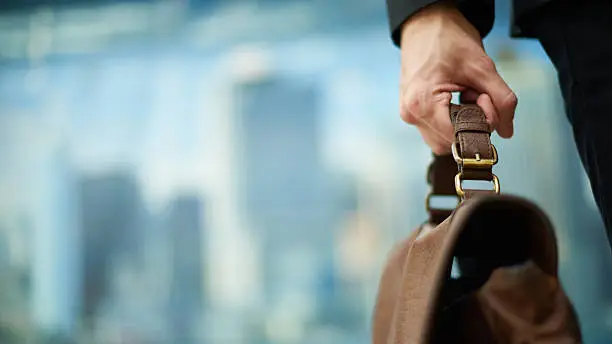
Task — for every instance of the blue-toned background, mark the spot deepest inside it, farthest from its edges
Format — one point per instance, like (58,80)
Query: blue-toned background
(236,171)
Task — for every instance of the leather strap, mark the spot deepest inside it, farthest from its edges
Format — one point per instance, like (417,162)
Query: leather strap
(473,141)
(440,177)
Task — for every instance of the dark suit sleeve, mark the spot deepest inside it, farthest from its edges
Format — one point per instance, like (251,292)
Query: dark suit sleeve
(480,13)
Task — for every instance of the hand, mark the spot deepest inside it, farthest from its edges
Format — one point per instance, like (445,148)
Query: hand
(443,53)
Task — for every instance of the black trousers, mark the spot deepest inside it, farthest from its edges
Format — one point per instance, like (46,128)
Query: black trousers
(578,41)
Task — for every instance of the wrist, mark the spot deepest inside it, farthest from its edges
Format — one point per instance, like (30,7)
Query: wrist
(439,13)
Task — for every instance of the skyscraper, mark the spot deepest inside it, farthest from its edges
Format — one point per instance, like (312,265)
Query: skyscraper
(286,193)
(55,247)
(279,149)
(185,224)
(110,221)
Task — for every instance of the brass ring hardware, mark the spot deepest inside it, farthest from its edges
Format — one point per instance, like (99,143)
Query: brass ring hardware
(476,162)
(461,192)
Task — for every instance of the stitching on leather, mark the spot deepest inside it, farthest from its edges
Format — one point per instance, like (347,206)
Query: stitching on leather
(462,143)
(459,118)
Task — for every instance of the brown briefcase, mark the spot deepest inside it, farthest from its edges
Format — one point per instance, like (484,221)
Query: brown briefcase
(508,290)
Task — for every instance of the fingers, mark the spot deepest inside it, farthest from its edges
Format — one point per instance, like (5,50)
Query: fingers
(485,102)
(485,79)
(441,129)
(429,112)
(425,101)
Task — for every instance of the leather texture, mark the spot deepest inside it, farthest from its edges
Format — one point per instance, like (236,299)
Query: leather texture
(508,291)
(472,136)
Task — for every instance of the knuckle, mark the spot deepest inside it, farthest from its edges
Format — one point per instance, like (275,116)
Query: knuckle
(511,101)
(408,116)
(410,108)
(485,63)
(418,100)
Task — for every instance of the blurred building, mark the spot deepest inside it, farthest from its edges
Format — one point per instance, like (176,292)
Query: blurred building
(16,320)
(290,253)
(286,193)
(56,277)
(110,221)
(184,224)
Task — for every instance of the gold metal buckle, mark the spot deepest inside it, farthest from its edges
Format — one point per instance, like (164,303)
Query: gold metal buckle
(430,195)
(461,192)
(474,162)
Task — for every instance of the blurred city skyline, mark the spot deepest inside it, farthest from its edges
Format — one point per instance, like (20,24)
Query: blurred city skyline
(207,171)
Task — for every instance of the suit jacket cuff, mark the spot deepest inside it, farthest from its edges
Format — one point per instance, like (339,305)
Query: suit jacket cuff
(480,13)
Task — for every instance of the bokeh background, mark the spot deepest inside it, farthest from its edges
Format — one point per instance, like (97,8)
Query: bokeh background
(207,171)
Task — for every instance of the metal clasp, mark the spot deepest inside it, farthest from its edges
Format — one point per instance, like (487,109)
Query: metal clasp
(461,192)
(476,162)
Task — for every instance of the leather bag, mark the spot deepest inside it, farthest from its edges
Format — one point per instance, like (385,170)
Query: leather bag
(508,290)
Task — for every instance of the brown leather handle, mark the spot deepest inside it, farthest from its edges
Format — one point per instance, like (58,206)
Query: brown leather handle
(472,150)
(473,158)
(472,137)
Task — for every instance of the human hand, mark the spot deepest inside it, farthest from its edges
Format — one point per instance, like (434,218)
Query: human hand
(441,53)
